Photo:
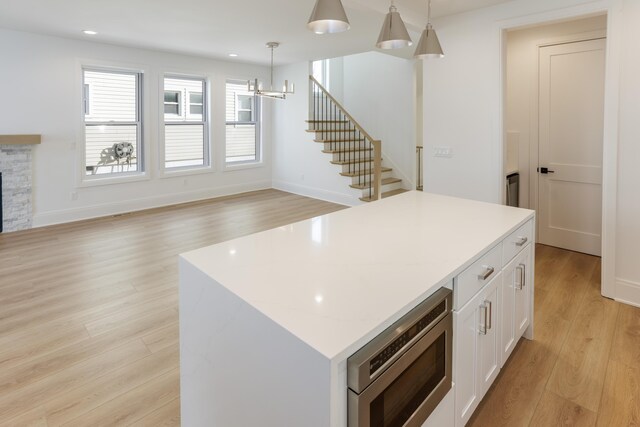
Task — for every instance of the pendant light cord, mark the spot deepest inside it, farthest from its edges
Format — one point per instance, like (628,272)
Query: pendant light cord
(428,12)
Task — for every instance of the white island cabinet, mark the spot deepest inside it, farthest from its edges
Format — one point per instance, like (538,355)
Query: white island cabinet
(267,321)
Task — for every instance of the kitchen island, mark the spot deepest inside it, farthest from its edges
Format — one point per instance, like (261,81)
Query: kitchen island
(267,321)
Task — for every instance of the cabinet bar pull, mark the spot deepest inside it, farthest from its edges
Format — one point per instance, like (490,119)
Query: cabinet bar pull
(523,277)
(483,327)
(518,284)
(490,314)
(489,271)
(522,241)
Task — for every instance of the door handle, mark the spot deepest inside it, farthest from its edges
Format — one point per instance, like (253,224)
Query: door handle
(545,170)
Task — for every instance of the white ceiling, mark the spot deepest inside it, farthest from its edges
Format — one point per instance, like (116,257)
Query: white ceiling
(215,28)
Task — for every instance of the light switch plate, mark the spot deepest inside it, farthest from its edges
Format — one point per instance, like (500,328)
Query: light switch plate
(442,152)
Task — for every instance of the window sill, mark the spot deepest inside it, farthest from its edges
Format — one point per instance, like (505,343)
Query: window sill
(170,173)
(234,167)
(96,181)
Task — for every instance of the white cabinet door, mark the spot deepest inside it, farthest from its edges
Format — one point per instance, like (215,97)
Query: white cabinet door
(515,302)
(476,350)
(466,369)
(489,337)
(523,292)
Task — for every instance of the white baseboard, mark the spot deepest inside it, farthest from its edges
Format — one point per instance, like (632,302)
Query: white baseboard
(627,292)
(317,193)
(107,209)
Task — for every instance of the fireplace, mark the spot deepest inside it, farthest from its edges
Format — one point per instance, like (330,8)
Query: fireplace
(1,203)
(16,181)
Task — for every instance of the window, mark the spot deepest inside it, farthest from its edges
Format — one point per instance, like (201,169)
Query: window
(320,71)
(244,108)
(243,126)
(195,103)
(112,126)
(172,102)
(185,126)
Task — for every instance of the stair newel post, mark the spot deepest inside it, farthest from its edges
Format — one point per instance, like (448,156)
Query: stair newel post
(377,169)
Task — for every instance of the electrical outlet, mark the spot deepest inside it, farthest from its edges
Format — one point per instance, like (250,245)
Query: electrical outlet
(442,152)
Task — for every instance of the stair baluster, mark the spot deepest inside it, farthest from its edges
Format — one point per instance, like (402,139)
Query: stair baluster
(348,139)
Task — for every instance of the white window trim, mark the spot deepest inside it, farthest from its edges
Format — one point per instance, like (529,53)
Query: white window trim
(207,168)
(84,180)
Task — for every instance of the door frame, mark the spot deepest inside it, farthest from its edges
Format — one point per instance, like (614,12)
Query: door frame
(534,118)
(613,10)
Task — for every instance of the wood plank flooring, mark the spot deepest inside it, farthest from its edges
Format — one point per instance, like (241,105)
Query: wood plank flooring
(89,323)
(583,367)
(88,311)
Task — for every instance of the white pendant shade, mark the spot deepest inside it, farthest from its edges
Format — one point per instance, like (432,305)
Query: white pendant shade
(328,16)
(393,34)
(429,45)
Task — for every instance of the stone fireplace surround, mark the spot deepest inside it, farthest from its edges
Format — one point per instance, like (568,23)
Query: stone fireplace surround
(17,175)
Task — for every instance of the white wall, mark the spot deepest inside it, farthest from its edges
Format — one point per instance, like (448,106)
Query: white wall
(299,166)
(463,90)
(522,89)
(628,218)
(463,109)
(41,82)
(378,91)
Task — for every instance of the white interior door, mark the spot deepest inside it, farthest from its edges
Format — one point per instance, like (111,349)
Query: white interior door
(570,146)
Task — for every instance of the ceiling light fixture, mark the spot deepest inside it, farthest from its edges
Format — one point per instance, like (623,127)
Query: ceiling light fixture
(257,89)
(89,32)
(429,45)
(393,34)
(328,17)
(233,55)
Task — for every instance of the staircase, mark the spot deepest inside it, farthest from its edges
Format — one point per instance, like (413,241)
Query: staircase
(352,149)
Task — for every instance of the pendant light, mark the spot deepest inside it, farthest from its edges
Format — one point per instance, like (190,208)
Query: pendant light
(429,45)
(328,16)
(256,88)
(393,34)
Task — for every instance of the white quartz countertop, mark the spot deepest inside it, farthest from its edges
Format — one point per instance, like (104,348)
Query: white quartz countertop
(337,280)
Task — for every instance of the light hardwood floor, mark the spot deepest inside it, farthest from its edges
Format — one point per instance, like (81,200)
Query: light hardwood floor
(88,311)
(89,332)
(583,366)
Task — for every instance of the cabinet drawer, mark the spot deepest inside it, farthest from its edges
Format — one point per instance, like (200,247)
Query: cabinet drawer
(470,281)
(517,241)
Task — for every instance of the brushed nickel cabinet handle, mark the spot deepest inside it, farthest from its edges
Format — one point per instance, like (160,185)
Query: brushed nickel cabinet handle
(490,314)
(483,327)
(518,284)
(522,241)
(488,272)
(523,279)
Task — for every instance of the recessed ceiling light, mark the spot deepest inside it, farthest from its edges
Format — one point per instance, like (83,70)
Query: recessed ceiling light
(233,55)
(89,32)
